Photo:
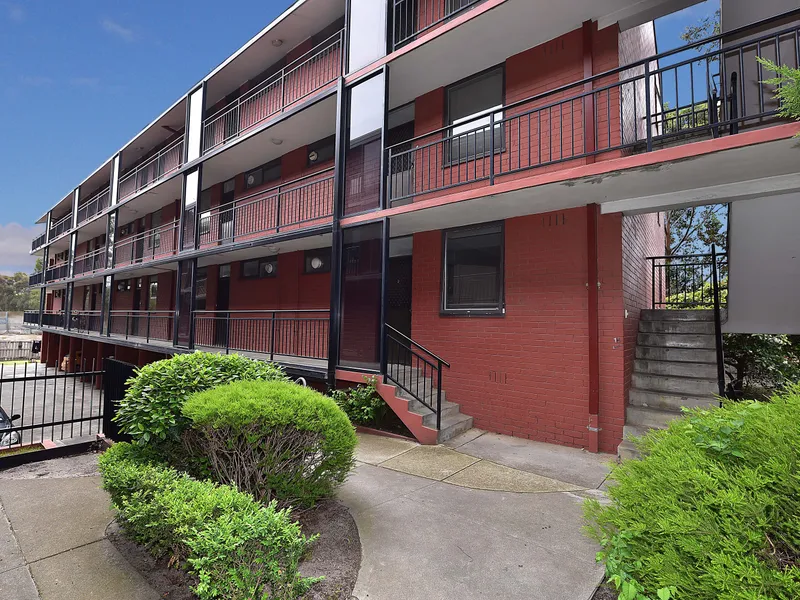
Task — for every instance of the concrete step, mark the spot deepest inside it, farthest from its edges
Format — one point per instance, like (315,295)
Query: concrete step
(428,416)
(676,340)
(692,386)
(628,451)
(429,397)
(661,314)
(685,355)
(454,425)
(701,327)
(676,369)
(666,401)
(649,417)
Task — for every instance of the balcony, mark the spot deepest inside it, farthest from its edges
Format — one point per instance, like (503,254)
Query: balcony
(154,169)
(94,206)
(147,326)
(625,111)
(149,245)
(311,72)
(86,321)
(302,202)
(414,17)
(53,318)
(39,242)
(36,279)
(286,336)
(90,263)
(30,318)
(61,226)
(57,273)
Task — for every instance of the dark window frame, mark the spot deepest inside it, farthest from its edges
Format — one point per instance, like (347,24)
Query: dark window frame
(447,158)
(260,262)
(329,141)
(324,253)
(497,311)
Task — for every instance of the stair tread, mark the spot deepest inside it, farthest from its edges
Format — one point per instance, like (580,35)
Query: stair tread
(685,377)
(671,394)
(421,409)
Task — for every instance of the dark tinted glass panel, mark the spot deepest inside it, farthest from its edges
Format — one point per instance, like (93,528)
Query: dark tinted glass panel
(250,268)
(469,108)
(474,269)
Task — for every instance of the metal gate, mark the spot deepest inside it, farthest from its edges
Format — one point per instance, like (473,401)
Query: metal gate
(115,384)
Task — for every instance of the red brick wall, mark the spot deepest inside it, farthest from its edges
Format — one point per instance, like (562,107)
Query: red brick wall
(531,139)
(642,236)
(526,373)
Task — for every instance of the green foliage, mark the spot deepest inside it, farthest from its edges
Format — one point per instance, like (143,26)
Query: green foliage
(15,295)
(236,547)
(711,512)
(707,26)
(787,82)
(693,230)
(362,403)
(275,439)
(761,360)
(150,412)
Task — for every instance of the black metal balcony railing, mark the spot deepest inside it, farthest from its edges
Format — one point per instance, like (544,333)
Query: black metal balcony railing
(39,241)
(61,226)
(290,205)
(314,70)
(146,246)
(274,333)
(53,318)
(36,278)
(149,325)
(95,205)
(90,263)
(57,273)
(168,160)
(86,321)
(625,112)
(413,17)
(31,317)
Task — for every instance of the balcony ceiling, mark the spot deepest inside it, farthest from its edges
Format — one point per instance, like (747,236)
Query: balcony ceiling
(512,27)
(303,243)
(299,22)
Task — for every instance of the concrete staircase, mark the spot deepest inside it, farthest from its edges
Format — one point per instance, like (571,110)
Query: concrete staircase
(419,419)
(676,366)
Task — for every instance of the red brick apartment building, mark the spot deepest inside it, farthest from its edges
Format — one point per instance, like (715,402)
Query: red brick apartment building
(463,197)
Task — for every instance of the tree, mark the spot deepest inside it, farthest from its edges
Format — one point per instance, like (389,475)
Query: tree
(39,266)
(787,82)
(15,295)
(693,230)
(707,26)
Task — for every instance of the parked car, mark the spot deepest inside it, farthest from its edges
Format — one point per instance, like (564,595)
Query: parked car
(8,437)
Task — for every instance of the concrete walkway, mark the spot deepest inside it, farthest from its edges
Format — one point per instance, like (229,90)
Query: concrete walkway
(431,529)
(54,536)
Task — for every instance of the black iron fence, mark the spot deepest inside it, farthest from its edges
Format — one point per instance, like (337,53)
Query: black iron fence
(415,370)
(91,262)
(688,281)
(41,404)
(36,278)
(413,17)
(30,317)
(96,204)
(56,273)
(39,241)
(86,321)
(61,226)
(279,334)
(52,318)
(630,109)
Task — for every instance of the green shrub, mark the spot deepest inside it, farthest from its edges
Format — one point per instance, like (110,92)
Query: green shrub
(151,408)
(236,547)
(274,439)
(362,404)
(712,511)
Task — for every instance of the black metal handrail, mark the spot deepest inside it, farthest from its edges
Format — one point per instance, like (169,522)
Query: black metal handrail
(415,369)
(297,202)
(550,128)
(95,205)
(145,324)
(151,170)
(36,278)
(409,22)
(314,70)
(30,317)
(301,333)
(61,226)
(86,321)
(148,245)
(90,262)
(57,272)
(53,318)
(39,241)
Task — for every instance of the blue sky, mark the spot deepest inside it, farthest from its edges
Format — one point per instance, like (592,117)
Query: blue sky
(79,78)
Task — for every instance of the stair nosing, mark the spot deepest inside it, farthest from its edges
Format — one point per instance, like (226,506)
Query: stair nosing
(709,379)
(663,393)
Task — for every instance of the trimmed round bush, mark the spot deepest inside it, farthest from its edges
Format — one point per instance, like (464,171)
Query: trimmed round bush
(275,439)
(150,412)
(712,512)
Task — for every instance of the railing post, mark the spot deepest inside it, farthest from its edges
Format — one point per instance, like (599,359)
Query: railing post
(127,324)
(653,279)
(227,332)
(147,334)
(278,211)
(272,338)
(491,150)
(648,108)
(718,324)
(439,395)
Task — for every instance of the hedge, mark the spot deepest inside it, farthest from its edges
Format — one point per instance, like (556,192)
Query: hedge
(236,547)
(277,440)
(712,511)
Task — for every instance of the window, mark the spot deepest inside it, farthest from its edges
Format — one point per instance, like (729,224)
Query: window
(253,178)
(260,268)
(263,174)
(205,212)
(321,151)
(152,300)
(318,261)
(473,270)
(470,105)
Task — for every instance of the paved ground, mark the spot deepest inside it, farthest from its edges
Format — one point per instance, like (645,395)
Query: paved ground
(49,401)
(435,523)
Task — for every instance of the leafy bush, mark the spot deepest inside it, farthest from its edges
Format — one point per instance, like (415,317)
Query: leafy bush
(151,408)
(362,404)
(274,439)
(236,547)
(712,511)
